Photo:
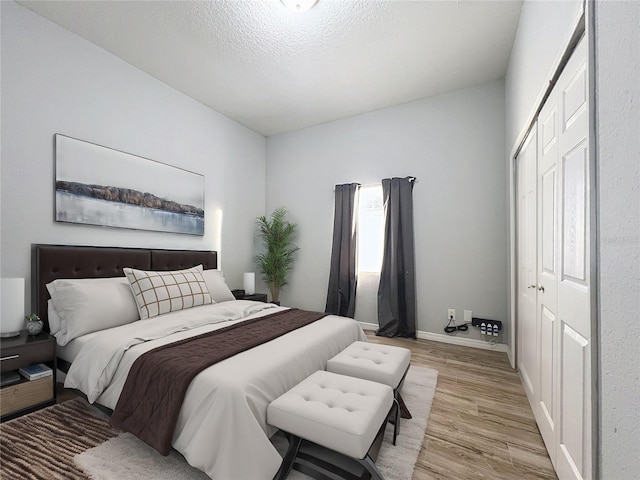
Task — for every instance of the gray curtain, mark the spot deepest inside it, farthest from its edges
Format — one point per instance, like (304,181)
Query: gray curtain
(397,290)
(341,293)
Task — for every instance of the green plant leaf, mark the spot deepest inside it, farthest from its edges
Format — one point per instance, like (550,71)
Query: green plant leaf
(277,261)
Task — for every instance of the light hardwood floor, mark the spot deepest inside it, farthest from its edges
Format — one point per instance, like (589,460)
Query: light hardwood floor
(481,425)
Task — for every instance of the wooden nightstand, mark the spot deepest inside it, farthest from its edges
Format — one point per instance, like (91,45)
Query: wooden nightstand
(256,297)
(27,396)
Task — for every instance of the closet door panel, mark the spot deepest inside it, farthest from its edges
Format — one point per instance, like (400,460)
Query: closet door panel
(574,286)
(573,394)
(548,222)
(547,271)
(575,215)
(547,384)
(574,436)
(528,352)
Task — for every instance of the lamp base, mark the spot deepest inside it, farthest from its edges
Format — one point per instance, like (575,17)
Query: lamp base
(9,334)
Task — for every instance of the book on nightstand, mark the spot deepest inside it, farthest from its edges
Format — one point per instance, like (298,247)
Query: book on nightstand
(34,372)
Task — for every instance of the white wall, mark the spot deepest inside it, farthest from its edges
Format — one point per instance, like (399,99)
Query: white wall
(55,82)
(544,30)
(454,145)
(617,67)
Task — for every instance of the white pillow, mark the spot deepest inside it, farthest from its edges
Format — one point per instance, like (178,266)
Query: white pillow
(88,305)
(55,322)
(163,292)
(217,286)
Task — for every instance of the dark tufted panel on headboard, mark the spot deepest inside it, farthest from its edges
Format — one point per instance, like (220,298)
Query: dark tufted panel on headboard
(49,262)
(179,259)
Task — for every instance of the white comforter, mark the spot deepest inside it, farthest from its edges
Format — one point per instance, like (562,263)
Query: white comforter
(222,426)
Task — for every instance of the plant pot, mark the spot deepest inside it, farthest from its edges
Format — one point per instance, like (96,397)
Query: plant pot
(34,327)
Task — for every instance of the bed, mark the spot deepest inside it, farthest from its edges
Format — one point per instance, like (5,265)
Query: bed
(221,428)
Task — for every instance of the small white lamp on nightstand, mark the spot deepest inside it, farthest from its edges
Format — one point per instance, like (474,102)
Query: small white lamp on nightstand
(12,306)
(249,283)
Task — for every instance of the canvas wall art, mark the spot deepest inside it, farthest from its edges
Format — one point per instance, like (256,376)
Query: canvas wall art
(97,185)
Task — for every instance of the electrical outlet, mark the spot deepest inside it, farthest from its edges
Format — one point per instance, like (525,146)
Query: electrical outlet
(451,314)
(467,316)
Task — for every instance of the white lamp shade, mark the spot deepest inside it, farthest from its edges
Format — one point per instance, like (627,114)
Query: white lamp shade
(249,283)
(12,306)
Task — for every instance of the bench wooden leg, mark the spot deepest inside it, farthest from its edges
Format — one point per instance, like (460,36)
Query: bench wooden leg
(311,468)
(368,463)
(289,458)
(396,423)
(396,393)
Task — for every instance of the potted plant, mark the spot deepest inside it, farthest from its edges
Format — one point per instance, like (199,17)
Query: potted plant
(277,260)
(34,324)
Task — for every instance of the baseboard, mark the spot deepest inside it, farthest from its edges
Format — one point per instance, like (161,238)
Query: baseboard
(512,358)
(454,340)
(368,326)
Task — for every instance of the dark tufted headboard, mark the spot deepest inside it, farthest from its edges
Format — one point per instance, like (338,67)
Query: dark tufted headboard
(49,262)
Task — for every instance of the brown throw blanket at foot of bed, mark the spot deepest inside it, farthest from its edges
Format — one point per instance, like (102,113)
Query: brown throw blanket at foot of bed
(153,393)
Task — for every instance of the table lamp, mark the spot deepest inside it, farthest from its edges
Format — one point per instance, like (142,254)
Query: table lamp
(249,283)
(12,306)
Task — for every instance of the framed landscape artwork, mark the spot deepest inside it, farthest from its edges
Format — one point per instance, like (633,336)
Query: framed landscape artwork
(97,185)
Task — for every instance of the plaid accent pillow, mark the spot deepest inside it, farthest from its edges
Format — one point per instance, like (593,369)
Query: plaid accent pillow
(163,292)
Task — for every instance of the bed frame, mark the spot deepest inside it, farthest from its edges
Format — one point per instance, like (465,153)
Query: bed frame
(50,262)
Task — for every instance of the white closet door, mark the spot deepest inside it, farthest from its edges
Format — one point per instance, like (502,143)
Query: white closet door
(547,271)
(554,342)
(574,357)
(528,355)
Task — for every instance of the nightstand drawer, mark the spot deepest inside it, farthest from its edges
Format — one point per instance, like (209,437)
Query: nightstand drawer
(25,395)
(27,354)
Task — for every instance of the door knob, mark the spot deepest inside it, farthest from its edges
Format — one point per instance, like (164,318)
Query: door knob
(531,286)
(541,288)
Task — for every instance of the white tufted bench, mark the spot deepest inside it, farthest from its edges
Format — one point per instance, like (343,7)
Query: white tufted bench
(379,363)
(340,413)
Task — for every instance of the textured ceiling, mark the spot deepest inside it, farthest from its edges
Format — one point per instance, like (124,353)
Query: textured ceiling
(274,70)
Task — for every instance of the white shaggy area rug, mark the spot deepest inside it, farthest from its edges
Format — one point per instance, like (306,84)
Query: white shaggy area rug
(126,457)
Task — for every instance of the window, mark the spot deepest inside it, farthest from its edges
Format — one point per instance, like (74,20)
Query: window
(370,229)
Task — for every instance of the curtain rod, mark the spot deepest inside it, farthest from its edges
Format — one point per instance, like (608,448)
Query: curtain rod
(411,179)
